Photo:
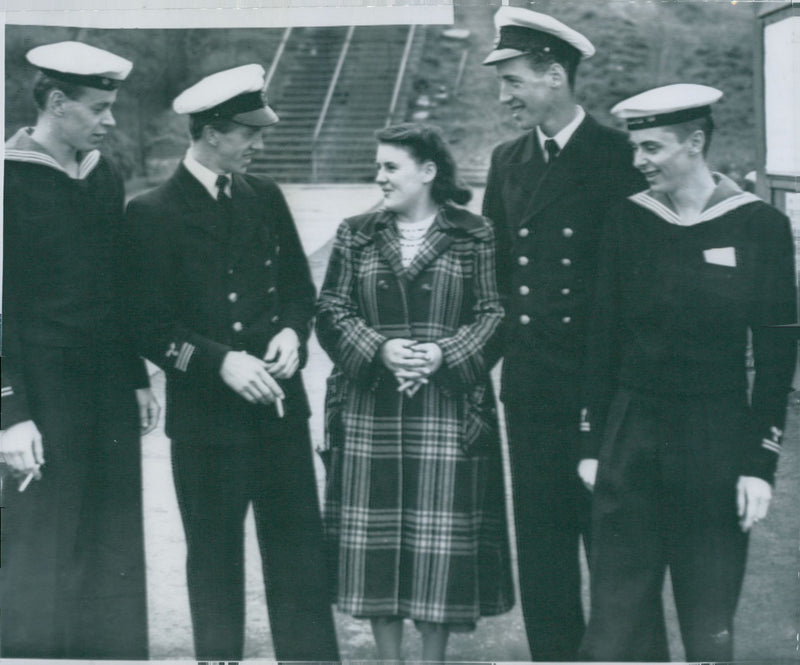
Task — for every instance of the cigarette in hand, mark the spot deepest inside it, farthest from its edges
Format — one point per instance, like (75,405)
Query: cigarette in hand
(24,484)
(279,407)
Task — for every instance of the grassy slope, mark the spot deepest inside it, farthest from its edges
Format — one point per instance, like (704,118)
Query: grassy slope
(639,45)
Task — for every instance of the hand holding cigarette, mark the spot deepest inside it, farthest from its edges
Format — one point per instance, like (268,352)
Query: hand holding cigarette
(36,473)
(22,452)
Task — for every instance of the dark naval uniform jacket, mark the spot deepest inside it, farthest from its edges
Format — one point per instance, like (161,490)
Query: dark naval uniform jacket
(213,278)
(548,219)
(205,290)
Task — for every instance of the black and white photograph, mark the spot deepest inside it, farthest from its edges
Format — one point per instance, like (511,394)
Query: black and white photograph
(426,331)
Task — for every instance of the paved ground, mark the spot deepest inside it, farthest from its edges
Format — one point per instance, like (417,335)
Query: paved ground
(769,616)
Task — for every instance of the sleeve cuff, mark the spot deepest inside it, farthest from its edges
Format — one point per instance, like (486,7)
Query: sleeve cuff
(763,462)
(14,408)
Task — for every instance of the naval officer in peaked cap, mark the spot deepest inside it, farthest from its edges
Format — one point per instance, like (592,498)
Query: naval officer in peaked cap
(223,304)
(680,459)
(546,193)
(75,396)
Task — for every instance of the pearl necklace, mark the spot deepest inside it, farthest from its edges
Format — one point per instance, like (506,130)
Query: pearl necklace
(411,236)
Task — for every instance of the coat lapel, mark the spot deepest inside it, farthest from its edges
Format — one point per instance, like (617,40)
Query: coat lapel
(524,173)
(435,243)
(200,207)
(246,216)
(389,248)
(564,173)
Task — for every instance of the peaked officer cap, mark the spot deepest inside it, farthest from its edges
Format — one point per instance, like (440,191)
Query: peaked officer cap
(521,31)
(233,94)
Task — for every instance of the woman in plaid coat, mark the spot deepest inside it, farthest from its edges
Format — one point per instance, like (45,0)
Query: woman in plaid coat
(410,315)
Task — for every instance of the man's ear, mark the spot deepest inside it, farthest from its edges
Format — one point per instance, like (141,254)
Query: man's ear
(210,135)
(557,75)
(697,141)
(56,100)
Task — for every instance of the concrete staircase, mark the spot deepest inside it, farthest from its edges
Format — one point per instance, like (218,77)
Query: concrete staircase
(345,147)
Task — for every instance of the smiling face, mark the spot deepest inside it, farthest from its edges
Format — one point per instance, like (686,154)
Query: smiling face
(664,160)
(235,148)
(84,122)
(529,95)
(405,183)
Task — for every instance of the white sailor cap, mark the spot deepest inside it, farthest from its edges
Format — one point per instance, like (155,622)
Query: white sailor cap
(667,105)
(80,64)
(521,31)
(233,94)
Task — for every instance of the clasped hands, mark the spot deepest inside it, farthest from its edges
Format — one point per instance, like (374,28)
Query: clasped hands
(254,379)
(411,362)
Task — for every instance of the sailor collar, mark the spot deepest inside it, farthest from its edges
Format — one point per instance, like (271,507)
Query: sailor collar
(22,148)
(726,197)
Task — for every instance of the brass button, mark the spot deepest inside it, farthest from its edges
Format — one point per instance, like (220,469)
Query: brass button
(567,319)
(565,291)
(233,297)
(524,319)
(523,260)
(566,262)
(568,232)
(523,232)
(275,319)
(268,263)
(237,327)
(271,290)
(524,290)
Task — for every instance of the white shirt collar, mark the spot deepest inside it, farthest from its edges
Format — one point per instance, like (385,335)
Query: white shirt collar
(564,135)
(205,175)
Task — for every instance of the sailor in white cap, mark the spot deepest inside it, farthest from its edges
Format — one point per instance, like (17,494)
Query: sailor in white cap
(81,64)
(546,193)
(74,391)
(689,268)
(224,306)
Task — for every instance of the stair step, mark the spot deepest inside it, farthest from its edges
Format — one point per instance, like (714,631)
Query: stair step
(344,150)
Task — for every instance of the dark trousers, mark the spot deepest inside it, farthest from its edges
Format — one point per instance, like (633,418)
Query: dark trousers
(72,575)
(215,485)
(551,511)
(666,496)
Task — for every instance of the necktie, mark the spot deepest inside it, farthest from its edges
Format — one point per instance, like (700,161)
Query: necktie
(551,147)
(222,189)
(224,200)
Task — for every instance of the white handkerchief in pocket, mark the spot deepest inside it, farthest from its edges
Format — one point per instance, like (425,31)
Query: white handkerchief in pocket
(721,256)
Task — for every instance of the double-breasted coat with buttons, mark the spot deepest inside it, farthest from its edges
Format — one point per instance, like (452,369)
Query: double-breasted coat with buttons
(415,504)
(548,221)
(548,218)
(213,278)
(198,294)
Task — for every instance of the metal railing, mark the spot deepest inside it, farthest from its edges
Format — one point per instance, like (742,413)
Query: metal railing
(328,97)
(277,58)
(401,72)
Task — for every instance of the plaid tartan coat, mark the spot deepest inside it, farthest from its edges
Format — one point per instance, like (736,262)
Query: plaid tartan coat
(415,507)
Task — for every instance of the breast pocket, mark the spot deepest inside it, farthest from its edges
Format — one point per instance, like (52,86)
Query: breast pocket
(722,283)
